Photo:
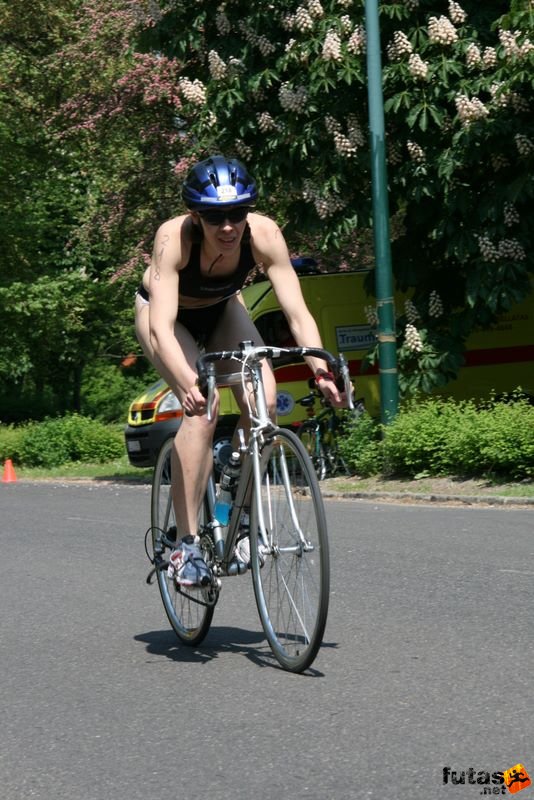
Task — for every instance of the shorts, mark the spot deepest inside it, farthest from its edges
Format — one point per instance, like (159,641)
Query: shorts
(200,322)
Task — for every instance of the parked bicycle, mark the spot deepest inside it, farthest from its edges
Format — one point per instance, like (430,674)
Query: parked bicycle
(289,555)
(320,432)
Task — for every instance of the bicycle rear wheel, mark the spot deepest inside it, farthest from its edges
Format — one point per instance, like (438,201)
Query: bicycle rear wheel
(190,611)
(309,434)
(292,580)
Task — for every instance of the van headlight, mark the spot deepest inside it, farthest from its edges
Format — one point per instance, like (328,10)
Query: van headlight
(169,403)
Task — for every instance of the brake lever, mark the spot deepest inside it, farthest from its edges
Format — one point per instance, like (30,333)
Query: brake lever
(344,380)
(211,390)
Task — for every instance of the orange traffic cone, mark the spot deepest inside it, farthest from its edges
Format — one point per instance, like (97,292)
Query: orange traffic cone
(9,473)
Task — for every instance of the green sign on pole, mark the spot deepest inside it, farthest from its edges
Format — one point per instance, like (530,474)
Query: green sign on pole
(387,344)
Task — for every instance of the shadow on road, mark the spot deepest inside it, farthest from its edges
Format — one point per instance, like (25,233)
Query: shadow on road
(220,640)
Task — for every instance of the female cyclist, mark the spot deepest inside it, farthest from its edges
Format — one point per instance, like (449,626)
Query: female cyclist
(190,297)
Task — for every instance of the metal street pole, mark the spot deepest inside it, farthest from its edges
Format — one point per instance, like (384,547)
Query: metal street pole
(387,344)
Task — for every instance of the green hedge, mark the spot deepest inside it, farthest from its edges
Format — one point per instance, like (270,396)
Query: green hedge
(436,437)
(443,437)
(58,441)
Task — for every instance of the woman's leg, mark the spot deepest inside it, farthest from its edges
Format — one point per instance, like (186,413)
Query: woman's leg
(192,458)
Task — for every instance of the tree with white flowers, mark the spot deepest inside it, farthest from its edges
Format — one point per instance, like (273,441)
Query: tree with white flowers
(126,94)
(285,89)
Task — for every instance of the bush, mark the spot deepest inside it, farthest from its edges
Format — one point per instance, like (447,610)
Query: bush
(415,441)
(507,440)
(443,437)
(10,442)
(70,438)
(360,445)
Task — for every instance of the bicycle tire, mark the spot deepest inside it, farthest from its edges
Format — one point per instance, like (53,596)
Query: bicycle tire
(307,434)
(291,585)
(189,611)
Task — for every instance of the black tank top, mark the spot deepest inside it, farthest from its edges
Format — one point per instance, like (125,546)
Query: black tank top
(194,284)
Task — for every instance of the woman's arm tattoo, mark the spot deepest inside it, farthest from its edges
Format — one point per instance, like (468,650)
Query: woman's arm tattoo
(159,255)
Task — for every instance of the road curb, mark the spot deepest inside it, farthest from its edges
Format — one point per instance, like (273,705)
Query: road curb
(469,500)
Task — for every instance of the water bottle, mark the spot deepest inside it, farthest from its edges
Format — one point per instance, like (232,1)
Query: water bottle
(227,484)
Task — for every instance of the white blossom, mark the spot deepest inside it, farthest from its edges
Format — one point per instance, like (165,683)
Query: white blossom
(399,47)
(346,23)
(242,149)
(223,23)
(511,217)
(412,314)
(473,57)
(456,13)
(345,144)
(435,306)
(356,42)
(302,20)
(489,57)
(332,47)
(469,110)
(293,99)
(509,43)
(325,204)
(315,8)
(413,339)
(506,249)
(266,122)
(371,315)
(217,67)
(441,31)
(193,91)
(415,151)
(418,68)
(523,144)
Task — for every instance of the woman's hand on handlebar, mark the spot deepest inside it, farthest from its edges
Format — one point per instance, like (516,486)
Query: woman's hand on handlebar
(334,396)
(194,403)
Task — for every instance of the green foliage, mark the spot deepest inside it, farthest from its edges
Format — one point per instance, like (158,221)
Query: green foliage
(441,437)
(105,103)
(10,442)
(107,390)
(360,445)
(59,441)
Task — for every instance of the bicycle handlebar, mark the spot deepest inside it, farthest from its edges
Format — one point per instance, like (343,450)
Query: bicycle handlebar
(207,379)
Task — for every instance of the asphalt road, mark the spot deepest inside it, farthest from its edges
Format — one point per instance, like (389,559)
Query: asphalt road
(427,663)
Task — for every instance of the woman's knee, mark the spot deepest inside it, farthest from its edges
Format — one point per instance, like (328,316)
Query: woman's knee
(199,427)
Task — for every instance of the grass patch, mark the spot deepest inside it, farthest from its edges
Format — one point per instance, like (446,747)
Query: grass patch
(445,485)
(119,469)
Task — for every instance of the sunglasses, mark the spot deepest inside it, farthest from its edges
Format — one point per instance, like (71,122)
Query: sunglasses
(219,216)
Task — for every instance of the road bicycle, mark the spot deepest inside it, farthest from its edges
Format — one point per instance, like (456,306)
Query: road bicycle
(319,433)
(289,555)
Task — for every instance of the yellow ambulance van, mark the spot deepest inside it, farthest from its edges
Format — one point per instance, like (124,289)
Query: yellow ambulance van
(497,359)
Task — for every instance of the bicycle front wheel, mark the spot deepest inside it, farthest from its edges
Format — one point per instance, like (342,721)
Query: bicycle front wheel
(292,575)
(189,611)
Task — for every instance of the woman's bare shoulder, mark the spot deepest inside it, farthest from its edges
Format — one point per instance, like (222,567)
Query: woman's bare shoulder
(261,224)
(267,239)
(174,225)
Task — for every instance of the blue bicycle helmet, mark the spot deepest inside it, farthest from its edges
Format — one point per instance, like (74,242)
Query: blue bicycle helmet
(219,181)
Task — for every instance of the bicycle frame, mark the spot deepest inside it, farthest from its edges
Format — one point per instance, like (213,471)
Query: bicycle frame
(261,427)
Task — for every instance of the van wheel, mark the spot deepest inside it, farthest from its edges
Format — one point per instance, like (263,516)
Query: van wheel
(222,448)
